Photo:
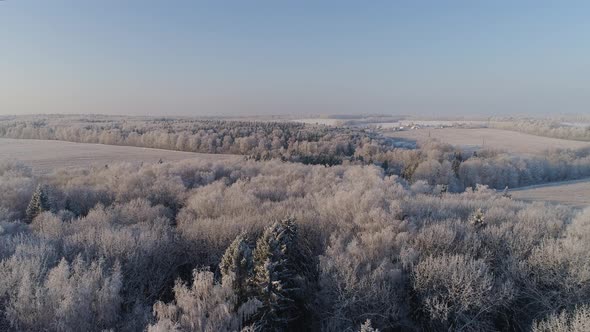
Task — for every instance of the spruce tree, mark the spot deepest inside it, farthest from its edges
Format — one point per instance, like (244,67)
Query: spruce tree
(236,267)
(368,327)
(478,219)
(456,164)
(282,277)
(39,203)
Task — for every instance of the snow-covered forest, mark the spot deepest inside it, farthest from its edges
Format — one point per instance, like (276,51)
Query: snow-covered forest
(568,129)
(294,166)
(434,163)
(316,228)
(198,246)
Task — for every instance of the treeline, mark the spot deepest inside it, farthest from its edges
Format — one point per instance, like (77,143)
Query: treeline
(433,162)
(258,246)
(258,140)
(548,128)
(455,170)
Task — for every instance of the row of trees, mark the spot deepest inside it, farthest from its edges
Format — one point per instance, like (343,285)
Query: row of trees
(550,128)
(258,140)
(433,162)
(442,164)
(205,246)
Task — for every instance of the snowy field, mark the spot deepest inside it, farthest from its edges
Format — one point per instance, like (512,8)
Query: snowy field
(427,123)
(510,141)
(574,193)
(320,121)
(576,124)
(45,156)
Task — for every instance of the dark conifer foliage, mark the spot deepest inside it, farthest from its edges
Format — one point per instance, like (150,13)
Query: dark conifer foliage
(39,203)
(282,278)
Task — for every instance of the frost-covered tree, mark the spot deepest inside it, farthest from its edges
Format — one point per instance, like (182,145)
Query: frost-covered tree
(367,327)
(39,203)
(576,321)
(478,219)
(458,292)
(205,306)
(237,265)
(74,296)
(281,277)
(403,257)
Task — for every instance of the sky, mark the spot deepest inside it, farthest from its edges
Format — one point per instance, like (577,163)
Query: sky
(208,58)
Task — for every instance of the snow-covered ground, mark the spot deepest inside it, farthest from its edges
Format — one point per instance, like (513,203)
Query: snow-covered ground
(510,141)
(45,156)
(427,123)
(574,193)
(576,124)
(405,123)
(327,122)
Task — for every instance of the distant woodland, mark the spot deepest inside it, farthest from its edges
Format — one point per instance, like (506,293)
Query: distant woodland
(573,130)
(434,163)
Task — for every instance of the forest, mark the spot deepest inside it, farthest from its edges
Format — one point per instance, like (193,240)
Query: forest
(259,246)
(316,228)
(435,163)
(569,129)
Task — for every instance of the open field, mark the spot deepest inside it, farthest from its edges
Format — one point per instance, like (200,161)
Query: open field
(428,123)
(320,121)
(45,156)
(576,124)
(510,141)
(388,124)
(574,193)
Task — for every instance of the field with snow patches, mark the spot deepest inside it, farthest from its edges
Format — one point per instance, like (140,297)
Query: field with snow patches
(45,156)
(509,141)
(574,193)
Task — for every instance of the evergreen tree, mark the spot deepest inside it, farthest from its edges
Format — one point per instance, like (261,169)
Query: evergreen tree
(367,327)
(236,266)
(282,277)
(478,219)
(456,164)
(39,203)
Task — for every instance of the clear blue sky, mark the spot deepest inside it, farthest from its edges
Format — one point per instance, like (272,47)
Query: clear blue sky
(276,57)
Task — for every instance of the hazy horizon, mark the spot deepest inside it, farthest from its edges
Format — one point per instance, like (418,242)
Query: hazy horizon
(206,59)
